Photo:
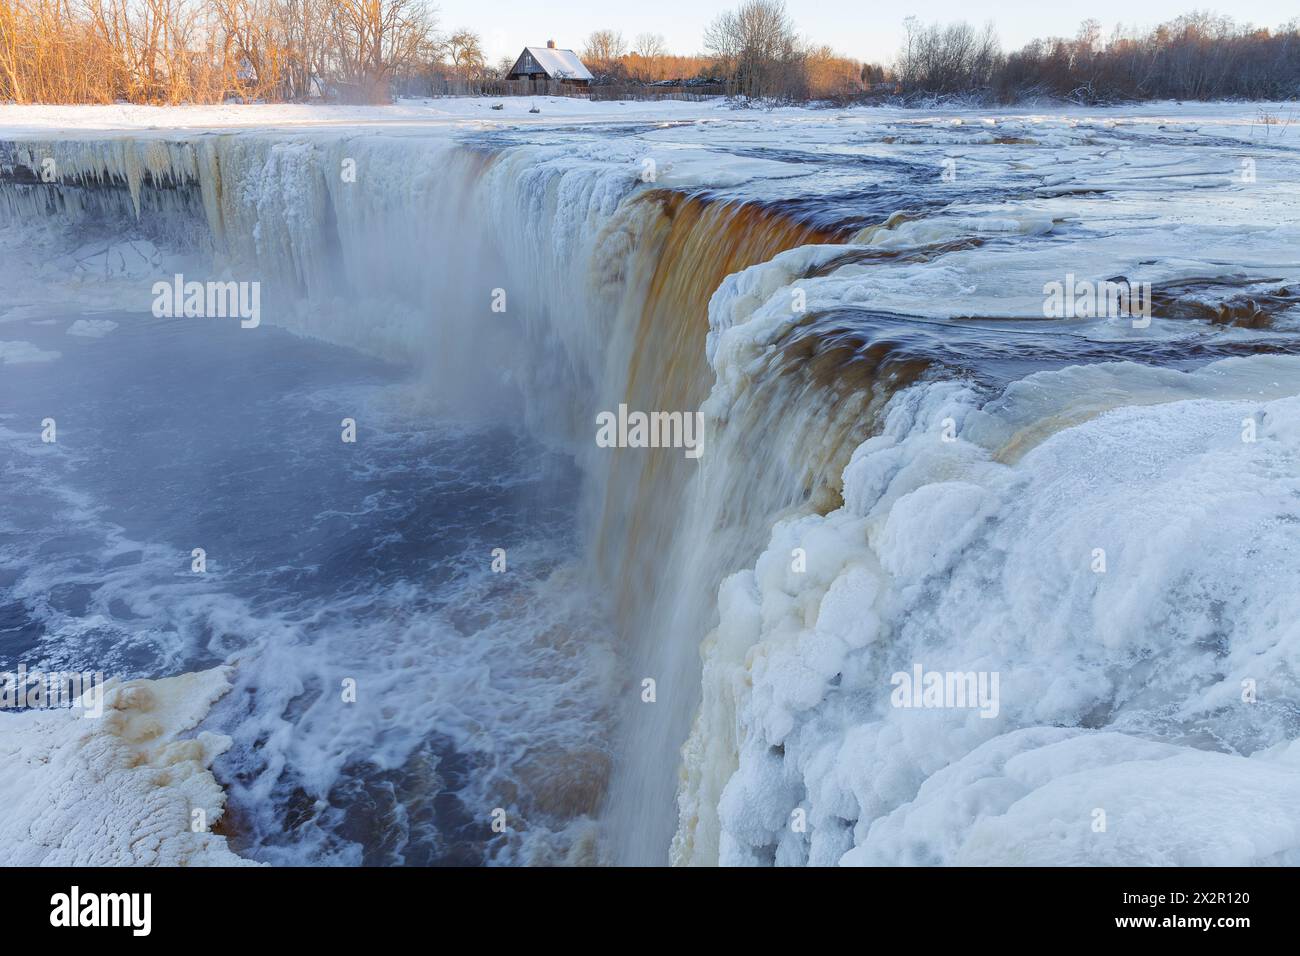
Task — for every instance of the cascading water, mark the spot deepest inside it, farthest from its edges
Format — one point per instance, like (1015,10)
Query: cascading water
(621,307)
(830,360)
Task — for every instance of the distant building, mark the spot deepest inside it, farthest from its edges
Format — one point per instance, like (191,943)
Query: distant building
(540,64)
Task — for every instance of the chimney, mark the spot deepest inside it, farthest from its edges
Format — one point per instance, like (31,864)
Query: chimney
(550,44)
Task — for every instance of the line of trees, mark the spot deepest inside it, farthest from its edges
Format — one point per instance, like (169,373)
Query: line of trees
(612,59)
(948,58)
(1198,56)
(758,50)
(176,51)
(758,53)
(752,51)
(203,51)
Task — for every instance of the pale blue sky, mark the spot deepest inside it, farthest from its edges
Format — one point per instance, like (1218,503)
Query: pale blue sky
(858,28)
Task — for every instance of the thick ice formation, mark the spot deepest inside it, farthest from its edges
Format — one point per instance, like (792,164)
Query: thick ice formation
(966,545)
(1127,569)
(120,789)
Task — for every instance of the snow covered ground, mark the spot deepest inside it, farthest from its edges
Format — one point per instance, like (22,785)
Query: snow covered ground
(118,789)
(515,110)
(911,466)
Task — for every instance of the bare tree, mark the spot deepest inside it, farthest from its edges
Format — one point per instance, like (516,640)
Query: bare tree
(252,31)
(651,46)
(465,51)
(148,51)
(950,58)
(374,40)
(302,32)
(758,50)
(648,49)
(603,51)
(12,75)
(831,75)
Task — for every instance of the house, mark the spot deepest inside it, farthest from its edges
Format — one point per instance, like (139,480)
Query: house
(541,64)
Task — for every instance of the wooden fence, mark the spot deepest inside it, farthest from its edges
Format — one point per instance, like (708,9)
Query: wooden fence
(655,91)
(457,86)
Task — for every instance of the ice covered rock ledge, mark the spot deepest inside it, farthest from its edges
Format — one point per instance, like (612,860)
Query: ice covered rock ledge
(120,789)
(1146,711)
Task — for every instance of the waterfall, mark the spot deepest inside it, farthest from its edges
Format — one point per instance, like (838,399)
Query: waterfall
(606,278)
(881,488)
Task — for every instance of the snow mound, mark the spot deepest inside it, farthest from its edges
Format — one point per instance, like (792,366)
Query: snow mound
(1056,797)
(118,790)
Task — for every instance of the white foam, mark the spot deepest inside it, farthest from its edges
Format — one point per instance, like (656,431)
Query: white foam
(21,353)
(92,328)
